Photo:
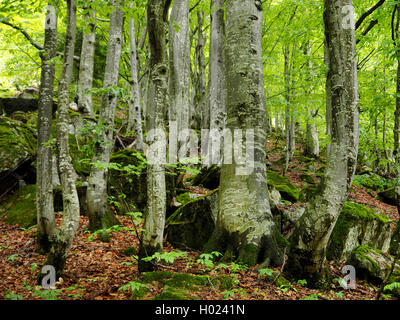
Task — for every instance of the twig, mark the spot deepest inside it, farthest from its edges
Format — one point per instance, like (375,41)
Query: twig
(283,265)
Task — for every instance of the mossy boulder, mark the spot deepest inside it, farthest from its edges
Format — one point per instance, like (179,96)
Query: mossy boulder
(395,241)
(276,278)
(191,225)
(308,178)
(20,208)
(127,184)
(307,193)
(288,216)
(388,196)
(180,286)
(208,177)
(80,188)
(17,152)
(373,264)
(358,225)
(287,190)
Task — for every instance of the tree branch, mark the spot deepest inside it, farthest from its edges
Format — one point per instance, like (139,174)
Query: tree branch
(372,24)
(26,35)
(368,13)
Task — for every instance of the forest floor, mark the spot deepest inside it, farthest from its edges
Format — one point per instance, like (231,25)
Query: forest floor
(97,270)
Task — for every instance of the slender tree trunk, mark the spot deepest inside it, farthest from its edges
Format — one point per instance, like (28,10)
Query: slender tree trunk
(153,231)
(44,189)
(216,71)
(135,112)
(99,214)
(65,235)
(396,129)
(328,113)
(201,90)
(179,66)
(243,195)
(86,66)
(307,256)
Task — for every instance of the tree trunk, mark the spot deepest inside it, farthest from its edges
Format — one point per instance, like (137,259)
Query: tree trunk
(216,71)
(99,214)
(245,228)
(153,230)
(307,256)
(86,66)
(202,112)
(135,112)
(179,70)
(65,235)
(44,190)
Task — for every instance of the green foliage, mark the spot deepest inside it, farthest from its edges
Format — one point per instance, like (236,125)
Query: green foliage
(395,286)
(372,181)
(168,257)
(47,294)
(207,259)
(12,296)
(311,297)
(268,272)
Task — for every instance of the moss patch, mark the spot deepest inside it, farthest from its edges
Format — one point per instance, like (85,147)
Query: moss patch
(20,209)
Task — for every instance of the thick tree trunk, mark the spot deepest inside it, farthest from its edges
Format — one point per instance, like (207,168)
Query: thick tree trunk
(44,190)
(396,129)
(135,111)
(153,230)
(99,214)
(86,66)
(65,235)
(245,228)
(307,256)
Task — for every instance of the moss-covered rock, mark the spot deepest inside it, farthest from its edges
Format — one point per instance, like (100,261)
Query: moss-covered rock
(17,144)
(308,178)
(20,208)
(180,286)
(193,224)
(208,177)
(388,196)
(130,251)
(358,225)
(395,241)
(373,264)
(307,193)
(288,216)
(287,190)
(130,181)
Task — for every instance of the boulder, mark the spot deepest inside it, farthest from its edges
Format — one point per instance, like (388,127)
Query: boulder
(373,264)
(191,225)
(388,196)
(307,193)
(10,105)
(17,152)
(20,208)
(127,185)
(395,241)
(358,225)
(288,216)
(282,184)
(208,177)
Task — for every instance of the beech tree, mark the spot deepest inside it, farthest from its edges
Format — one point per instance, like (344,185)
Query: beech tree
(157,101)
(98,210)
(307,256)
(44,190)
(62,240)
(245,228)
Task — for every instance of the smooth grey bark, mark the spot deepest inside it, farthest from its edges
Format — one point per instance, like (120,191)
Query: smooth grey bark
(328,111)
(312,143)
(44,184)
(290,109)
(135,110)
(179,67)
(307,255)
(86,65)
(64,237)
(245,228)
(153,229)
(99,214)
(202,120)
(216,71)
